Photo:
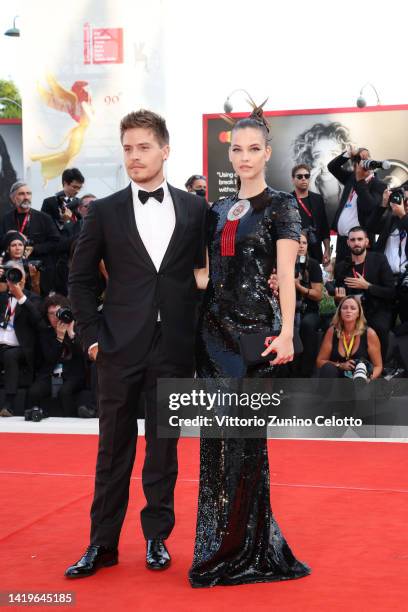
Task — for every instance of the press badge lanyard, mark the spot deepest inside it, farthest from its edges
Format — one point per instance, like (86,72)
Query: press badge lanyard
(362,272)
(9,314)
(348,347)
(305,208)
(24,223)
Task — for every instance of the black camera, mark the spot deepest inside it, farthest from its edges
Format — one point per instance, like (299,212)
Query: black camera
(12,275)
(35,414)
(37,263)
(312,237)
(397,195)
(64,315)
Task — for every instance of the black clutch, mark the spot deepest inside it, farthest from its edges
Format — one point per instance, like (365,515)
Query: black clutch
(252,345)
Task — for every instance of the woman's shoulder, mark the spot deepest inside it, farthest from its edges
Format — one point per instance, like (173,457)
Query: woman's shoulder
(281,202)
(371,334)
(225,202)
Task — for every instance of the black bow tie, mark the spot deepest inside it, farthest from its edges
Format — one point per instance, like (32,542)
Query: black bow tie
(145,195)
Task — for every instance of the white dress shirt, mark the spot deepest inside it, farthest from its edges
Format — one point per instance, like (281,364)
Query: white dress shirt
(155,222)
(8,335)
(395,251)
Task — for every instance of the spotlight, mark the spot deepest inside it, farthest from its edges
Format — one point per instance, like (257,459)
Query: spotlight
(361,102)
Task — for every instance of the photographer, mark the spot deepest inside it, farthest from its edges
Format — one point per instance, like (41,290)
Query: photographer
(14,245)
(350,349)
(63,205)
(367,275)
(38,230)
(61,356)
(312,213)
(362,193)
(309,287)
(390,221)
(19,321)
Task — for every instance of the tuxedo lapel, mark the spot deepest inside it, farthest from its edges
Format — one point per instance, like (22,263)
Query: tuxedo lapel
(181,210)
(128,221)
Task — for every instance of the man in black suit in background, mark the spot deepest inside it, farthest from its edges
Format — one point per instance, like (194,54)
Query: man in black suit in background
(312,213)
(362,193)
(151,236)
(64,203)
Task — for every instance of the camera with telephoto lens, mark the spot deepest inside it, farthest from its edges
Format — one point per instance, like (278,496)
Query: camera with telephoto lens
(362,370)
(64,315)
(10,274)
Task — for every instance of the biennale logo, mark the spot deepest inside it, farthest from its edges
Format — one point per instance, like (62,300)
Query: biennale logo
(75,102)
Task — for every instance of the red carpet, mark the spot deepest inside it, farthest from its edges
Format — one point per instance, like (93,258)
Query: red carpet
(343,507)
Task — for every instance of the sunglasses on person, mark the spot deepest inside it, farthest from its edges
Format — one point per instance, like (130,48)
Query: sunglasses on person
(301,176)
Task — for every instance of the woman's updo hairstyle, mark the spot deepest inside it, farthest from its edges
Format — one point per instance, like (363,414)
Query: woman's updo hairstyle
(255,120)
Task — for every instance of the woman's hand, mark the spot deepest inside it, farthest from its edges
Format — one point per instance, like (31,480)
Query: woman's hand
(282,346)
(61,330)
(348,365)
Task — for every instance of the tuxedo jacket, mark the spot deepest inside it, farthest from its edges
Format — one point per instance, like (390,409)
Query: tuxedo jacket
(319,222)
(369,195)
(382,222)
(136,292)
(27,322)
(377,272)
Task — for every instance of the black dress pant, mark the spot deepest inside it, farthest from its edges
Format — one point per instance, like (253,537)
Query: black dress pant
(120,388)
(309,335)
(42,389)
(380,321)
(11,358)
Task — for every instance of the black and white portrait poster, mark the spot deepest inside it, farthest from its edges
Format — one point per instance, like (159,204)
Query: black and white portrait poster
(313,137)
(11,159)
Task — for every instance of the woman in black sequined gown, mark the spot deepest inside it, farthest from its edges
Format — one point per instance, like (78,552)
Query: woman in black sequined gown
(237,539)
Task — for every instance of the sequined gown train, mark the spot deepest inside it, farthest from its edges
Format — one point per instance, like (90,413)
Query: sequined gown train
(237,539)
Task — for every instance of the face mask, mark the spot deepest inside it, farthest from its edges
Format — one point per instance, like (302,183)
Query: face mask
(200,192)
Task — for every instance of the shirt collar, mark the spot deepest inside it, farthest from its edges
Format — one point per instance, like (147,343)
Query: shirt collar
(136,188)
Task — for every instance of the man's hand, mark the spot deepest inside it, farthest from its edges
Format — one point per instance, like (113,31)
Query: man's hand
(273,283)
(385,198)
(61,330)
(15,290)
(93,352)
(339,293)
(66,214)
(356,283)
(326,258)
(398,210)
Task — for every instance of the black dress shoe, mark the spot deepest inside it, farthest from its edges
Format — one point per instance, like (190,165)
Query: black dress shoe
(157,555)
(94,558)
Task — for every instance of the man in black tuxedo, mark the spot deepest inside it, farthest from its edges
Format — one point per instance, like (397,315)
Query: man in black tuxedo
(20,320)
(367,275)
(362,193)
(151,236)
(36,227)
(312,213)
